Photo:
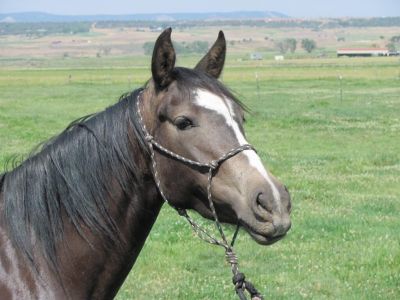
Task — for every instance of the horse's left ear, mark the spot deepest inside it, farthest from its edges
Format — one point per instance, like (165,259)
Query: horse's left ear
(213,62)
(163,60)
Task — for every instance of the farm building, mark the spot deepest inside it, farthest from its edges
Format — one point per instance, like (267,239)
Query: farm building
(256,56)
(363,52)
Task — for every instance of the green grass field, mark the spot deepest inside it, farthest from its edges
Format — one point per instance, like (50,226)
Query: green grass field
(339,156)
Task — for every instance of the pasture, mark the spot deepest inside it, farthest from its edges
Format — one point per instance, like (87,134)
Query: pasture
(337,151)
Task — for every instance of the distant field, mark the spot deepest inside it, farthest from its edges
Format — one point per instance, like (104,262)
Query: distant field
(339,156)
(242,40)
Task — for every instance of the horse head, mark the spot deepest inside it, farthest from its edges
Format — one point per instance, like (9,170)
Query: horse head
(192,114)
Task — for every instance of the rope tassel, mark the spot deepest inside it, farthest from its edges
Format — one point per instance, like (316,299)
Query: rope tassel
(241,285)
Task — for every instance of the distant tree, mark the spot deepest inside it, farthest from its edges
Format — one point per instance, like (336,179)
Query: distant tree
(291,44)
(286,45)
(148,48)
(391,47)
(394,43)
(395,39)
(107,50)
(308,45)
(199,46)
(281,47)
(180,48)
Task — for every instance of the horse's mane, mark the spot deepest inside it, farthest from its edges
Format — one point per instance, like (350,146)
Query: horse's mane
(2,180)
(70,178)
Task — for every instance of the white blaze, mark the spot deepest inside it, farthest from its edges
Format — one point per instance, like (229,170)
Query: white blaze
(211,101)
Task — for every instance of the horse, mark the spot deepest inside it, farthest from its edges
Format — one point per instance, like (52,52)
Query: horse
(75,214)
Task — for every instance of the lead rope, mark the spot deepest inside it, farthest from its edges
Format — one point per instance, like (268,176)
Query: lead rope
(238,279)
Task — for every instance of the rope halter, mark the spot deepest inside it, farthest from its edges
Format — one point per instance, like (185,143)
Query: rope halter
(238,279)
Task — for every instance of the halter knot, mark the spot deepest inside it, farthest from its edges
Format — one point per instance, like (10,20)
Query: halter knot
(149,138)
(214,164)
(238,280)
(231,257)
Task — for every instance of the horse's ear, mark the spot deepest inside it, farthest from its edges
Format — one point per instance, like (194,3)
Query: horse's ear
(213,62)
(163,60)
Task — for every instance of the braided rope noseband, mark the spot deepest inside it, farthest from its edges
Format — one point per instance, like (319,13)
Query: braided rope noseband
(238,279)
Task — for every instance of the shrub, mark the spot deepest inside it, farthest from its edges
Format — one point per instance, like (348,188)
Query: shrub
(308,45)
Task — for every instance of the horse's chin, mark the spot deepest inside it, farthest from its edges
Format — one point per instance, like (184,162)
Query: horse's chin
(262,239)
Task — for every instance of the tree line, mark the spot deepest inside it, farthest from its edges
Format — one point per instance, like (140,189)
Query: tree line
(394,43)
(290,45)
(197,47)
(278,23)
(79,27)
(45,28)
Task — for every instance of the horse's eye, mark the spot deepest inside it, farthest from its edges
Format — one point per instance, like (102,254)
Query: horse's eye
(183,123)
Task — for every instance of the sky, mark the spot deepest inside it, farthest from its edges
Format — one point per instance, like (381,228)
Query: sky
(299,8)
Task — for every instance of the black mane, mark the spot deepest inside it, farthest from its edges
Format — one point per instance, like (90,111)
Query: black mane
(2,180)
(70,178)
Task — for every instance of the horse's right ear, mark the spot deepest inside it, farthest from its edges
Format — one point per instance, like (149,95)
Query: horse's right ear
(163,60)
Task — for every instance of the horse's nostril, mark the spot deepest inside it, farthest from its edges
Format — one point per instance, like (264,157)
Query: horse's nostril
(258,199)
(261,202)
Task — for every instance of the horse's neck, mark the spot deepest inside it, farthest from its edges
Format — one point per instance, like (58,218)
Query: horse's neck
(87,271)
(104,270)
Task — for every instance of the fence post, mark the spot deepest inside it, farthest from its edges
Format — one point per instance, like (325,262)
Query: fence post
(258,87)
(341,87)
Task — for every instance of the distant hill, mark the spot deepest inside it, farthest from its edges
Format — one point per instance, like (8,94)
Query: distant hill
(45,17)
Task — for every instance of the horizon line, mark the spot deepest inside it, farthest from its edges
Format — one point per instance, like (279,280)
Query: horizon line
(196,13)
